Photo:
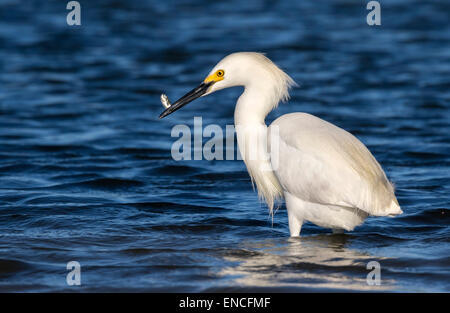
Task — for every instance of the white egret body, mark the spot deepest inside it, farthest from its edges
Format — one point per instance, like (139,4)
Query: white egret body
(325,174)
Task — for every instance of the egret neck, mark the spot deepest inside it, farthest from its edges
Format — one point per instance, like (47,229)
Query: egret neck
(252,107)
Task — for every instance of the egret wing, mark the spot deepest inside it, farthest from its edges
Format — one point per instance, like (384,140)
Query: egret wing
(322,163)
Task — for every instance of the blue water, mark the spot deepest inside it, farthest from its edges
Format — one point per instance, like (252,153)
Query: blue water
(86,172)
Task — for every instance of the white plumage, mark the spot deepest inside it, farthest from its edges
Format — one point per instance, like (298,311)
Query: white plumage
(328,176)
(325,174)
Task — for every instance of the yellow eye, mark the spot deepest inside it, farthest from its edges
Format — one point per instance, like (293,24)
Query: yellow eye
(220,73)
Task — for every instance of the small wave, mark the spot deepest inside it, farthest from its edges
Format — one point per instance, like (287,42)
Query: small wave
(10,267)
(172,207)
(175,170)
(112,183)
(433,217)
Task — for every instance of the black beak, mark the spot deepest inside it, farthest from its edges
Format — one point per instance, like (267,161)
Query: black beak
(190,96)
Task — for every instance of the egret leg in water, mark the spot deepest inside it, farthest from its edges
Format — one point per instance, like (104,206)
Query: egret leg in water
(324,173)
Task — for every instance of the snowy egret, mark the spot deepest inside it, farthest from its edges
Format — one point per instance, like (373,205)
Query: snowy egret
(324,173)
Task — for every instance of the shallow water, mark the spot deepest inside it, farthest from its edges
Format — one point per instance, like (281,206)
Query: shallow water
(86,169)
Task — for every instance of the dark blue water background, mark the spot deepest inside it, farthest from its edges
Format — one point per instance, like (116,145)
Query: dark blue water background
(86,172)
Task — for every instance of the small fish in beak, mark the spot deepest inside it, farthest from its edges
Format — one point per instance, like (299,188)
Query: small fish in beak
(165,101)
(190,96)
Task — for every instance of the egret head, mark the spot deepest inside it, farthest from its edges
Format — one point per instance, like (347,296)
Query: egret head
(241,69)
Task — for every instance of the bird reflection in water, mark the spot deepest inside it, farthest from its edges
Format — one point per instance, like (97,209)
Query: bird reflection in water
(323,262)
